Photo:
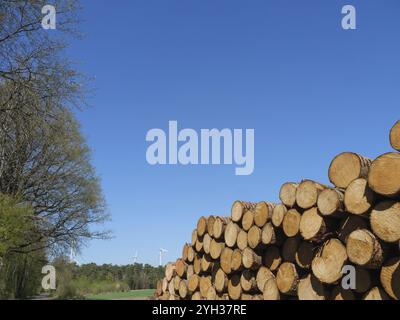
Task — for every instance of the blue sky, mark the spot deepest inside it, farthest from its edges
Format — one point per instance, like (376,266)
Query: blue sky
(285,68)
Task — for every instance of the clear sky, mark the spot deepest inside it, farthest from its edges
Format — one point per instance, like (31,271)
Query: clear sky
(285,68)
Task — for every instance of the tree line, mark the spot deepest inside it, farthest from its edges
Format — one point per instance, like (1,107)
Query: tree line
(50,194)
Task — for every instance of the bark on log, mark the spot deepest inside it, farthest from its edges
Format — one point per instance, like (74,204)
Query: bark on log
(385,221)
(359,198)
(384,175)
(347,167)
(287,194)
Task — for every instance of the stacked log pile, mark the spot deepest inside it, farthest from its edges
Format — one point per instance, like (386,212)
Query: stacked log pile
(305,246)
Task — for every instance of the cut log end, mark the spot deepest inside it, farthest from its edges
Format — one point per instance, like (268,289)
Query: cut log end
(287,194)
(395,136)
(384,175)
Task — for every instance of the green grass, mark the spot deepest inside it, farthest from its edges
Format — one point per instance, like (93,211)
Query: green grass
(122,295)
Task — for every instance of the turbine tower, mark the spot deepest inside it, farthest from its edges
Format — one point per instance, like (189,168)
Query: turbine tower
(135,257)
(162,251)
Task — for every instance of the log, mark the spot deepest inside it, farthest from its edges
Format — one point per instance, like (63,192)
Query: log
(289,249)
(201,226)
(271,291)
(170,271)
(250,259)
(198,247)
(241,240)
(263,275)
(197,264)
(278,214)
(310,288)
(193,283)
(221,281)
(385,221)
(194,237)
(287,278)
(376,293)
(313,226)
(359,198)
(269,235)
(287,194)
(328,263)
(216,248)
(338,293)
(254,237)
(197,296)
(190,255)
(234,287)
(171,287)
(176,281)
(239,208)
(248,281)
(395,136)
(183,289)
(384,175)
(164,285)
(307,193)
(226,260)
(181,268)
(231,233)
(272,258)
(263,213)
(247,220)
(211,294)
(350,224)
(206,263)
(210,225)
(236,262)
(364,249)
(185,251)
(347,167)
(219,227)
(206,243)
(173,297)
(189,271)
(390,278)
(305,254)
(291,223)
(205,284)
(331,203)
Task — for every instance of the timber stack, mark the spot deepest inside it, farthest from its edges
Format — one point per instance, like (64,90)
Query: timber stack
(305,246)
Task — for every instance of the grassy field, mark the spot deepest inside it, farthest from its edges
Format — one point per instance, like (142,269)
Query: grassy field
(128,295)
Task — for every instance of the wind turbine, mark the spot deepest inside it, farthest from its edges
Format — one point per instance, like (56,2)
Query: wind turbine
(135,257)
(162,251)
